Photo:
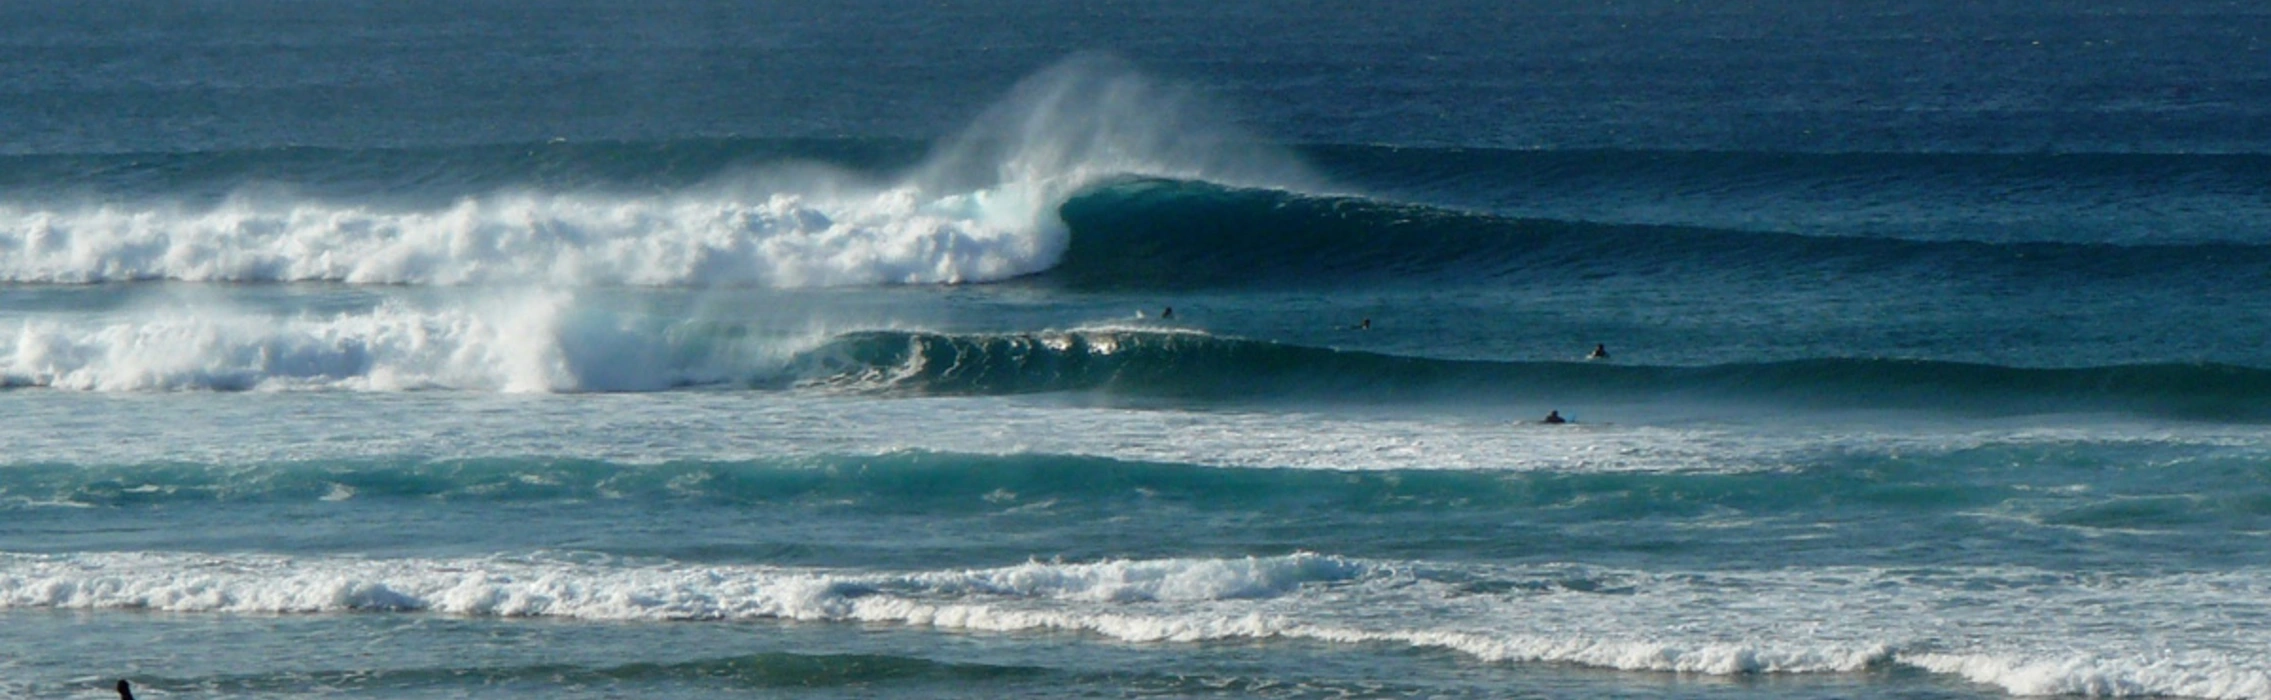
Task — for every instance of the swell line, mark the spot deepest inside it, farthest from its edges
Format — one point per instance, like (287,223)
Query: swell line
(1197,365)
(1147,233)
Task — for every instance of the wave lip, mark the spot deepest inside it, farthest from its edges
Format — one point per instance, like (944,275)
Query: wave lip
(1062,184)
(981,207)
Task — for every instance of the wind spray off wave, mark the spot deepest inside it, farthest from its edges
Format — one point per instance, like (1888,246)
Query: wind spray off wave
(982,208)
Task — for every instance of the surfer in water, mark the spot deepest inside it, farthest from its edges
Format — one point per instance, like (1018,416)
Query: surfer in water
(1554,418)
(1166,313)
(1365,326)
(1600,352)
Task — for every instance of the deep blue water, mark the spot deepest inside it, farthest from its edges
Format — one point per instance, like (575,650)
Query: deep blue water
(405,350)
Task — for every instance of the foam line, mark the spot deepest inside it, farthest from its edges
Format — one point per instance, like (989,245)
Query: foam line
(1709,623)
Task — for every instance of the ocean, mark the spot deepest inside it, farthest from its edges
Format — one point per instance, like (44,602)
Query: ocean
(999,348)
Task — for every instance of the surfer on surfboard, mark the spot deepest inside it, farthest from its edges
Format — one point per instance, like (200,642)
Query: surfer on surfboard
(1554,418)
(1600,352)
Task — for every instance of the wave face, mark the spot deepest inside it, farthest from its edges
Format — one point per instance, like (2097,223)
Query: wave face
(1171,234)
(2120,198)
(546,343)
(1191,364)
(1095,177)
(980,208)
(831,229)
(1125,181)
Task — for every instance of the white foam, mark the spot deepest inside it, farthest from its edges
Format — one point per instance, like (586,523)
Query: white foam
(2113,636)
(983,209)
(2172,674)
(774,239)
(1713,658)
(533,341)
(513,341)
(511,347)
(543,587)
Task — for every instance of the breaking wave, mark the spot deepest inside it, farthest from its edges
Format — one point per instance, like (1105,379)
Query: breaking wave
(981,207)
(1192,364)
(545,342)
(1552,613)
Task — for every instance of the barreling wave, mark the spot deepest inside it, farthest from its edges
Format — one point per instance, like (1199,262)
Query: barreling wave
(1196,365)
(816,226)
(1149,232)
(980,207)
(1131,183)
(1087,177)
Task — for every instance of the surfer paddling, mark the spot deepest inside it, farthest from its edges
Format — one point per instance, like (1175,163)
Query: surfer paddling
(1554,418)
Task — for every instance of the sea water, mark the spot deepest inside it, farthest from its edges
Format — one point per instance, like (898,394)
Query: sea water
(587,349)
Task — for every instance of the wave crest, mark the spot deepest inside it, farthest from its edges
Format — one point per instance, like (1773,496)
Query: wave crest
(1192,364)
(776,240)
(544,342)
(982,207)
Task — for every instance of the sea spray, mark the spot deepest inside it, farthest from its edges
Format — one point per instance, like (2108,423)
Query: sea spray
(982,208)
(1094,118)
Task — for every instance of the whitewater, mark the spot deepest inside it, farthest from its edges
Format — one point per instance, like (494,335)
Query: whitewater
(980,209)
(1167,350)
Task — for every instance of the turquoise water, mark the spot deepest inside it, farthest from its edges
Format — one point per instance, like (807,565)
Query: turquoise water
(411,350)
